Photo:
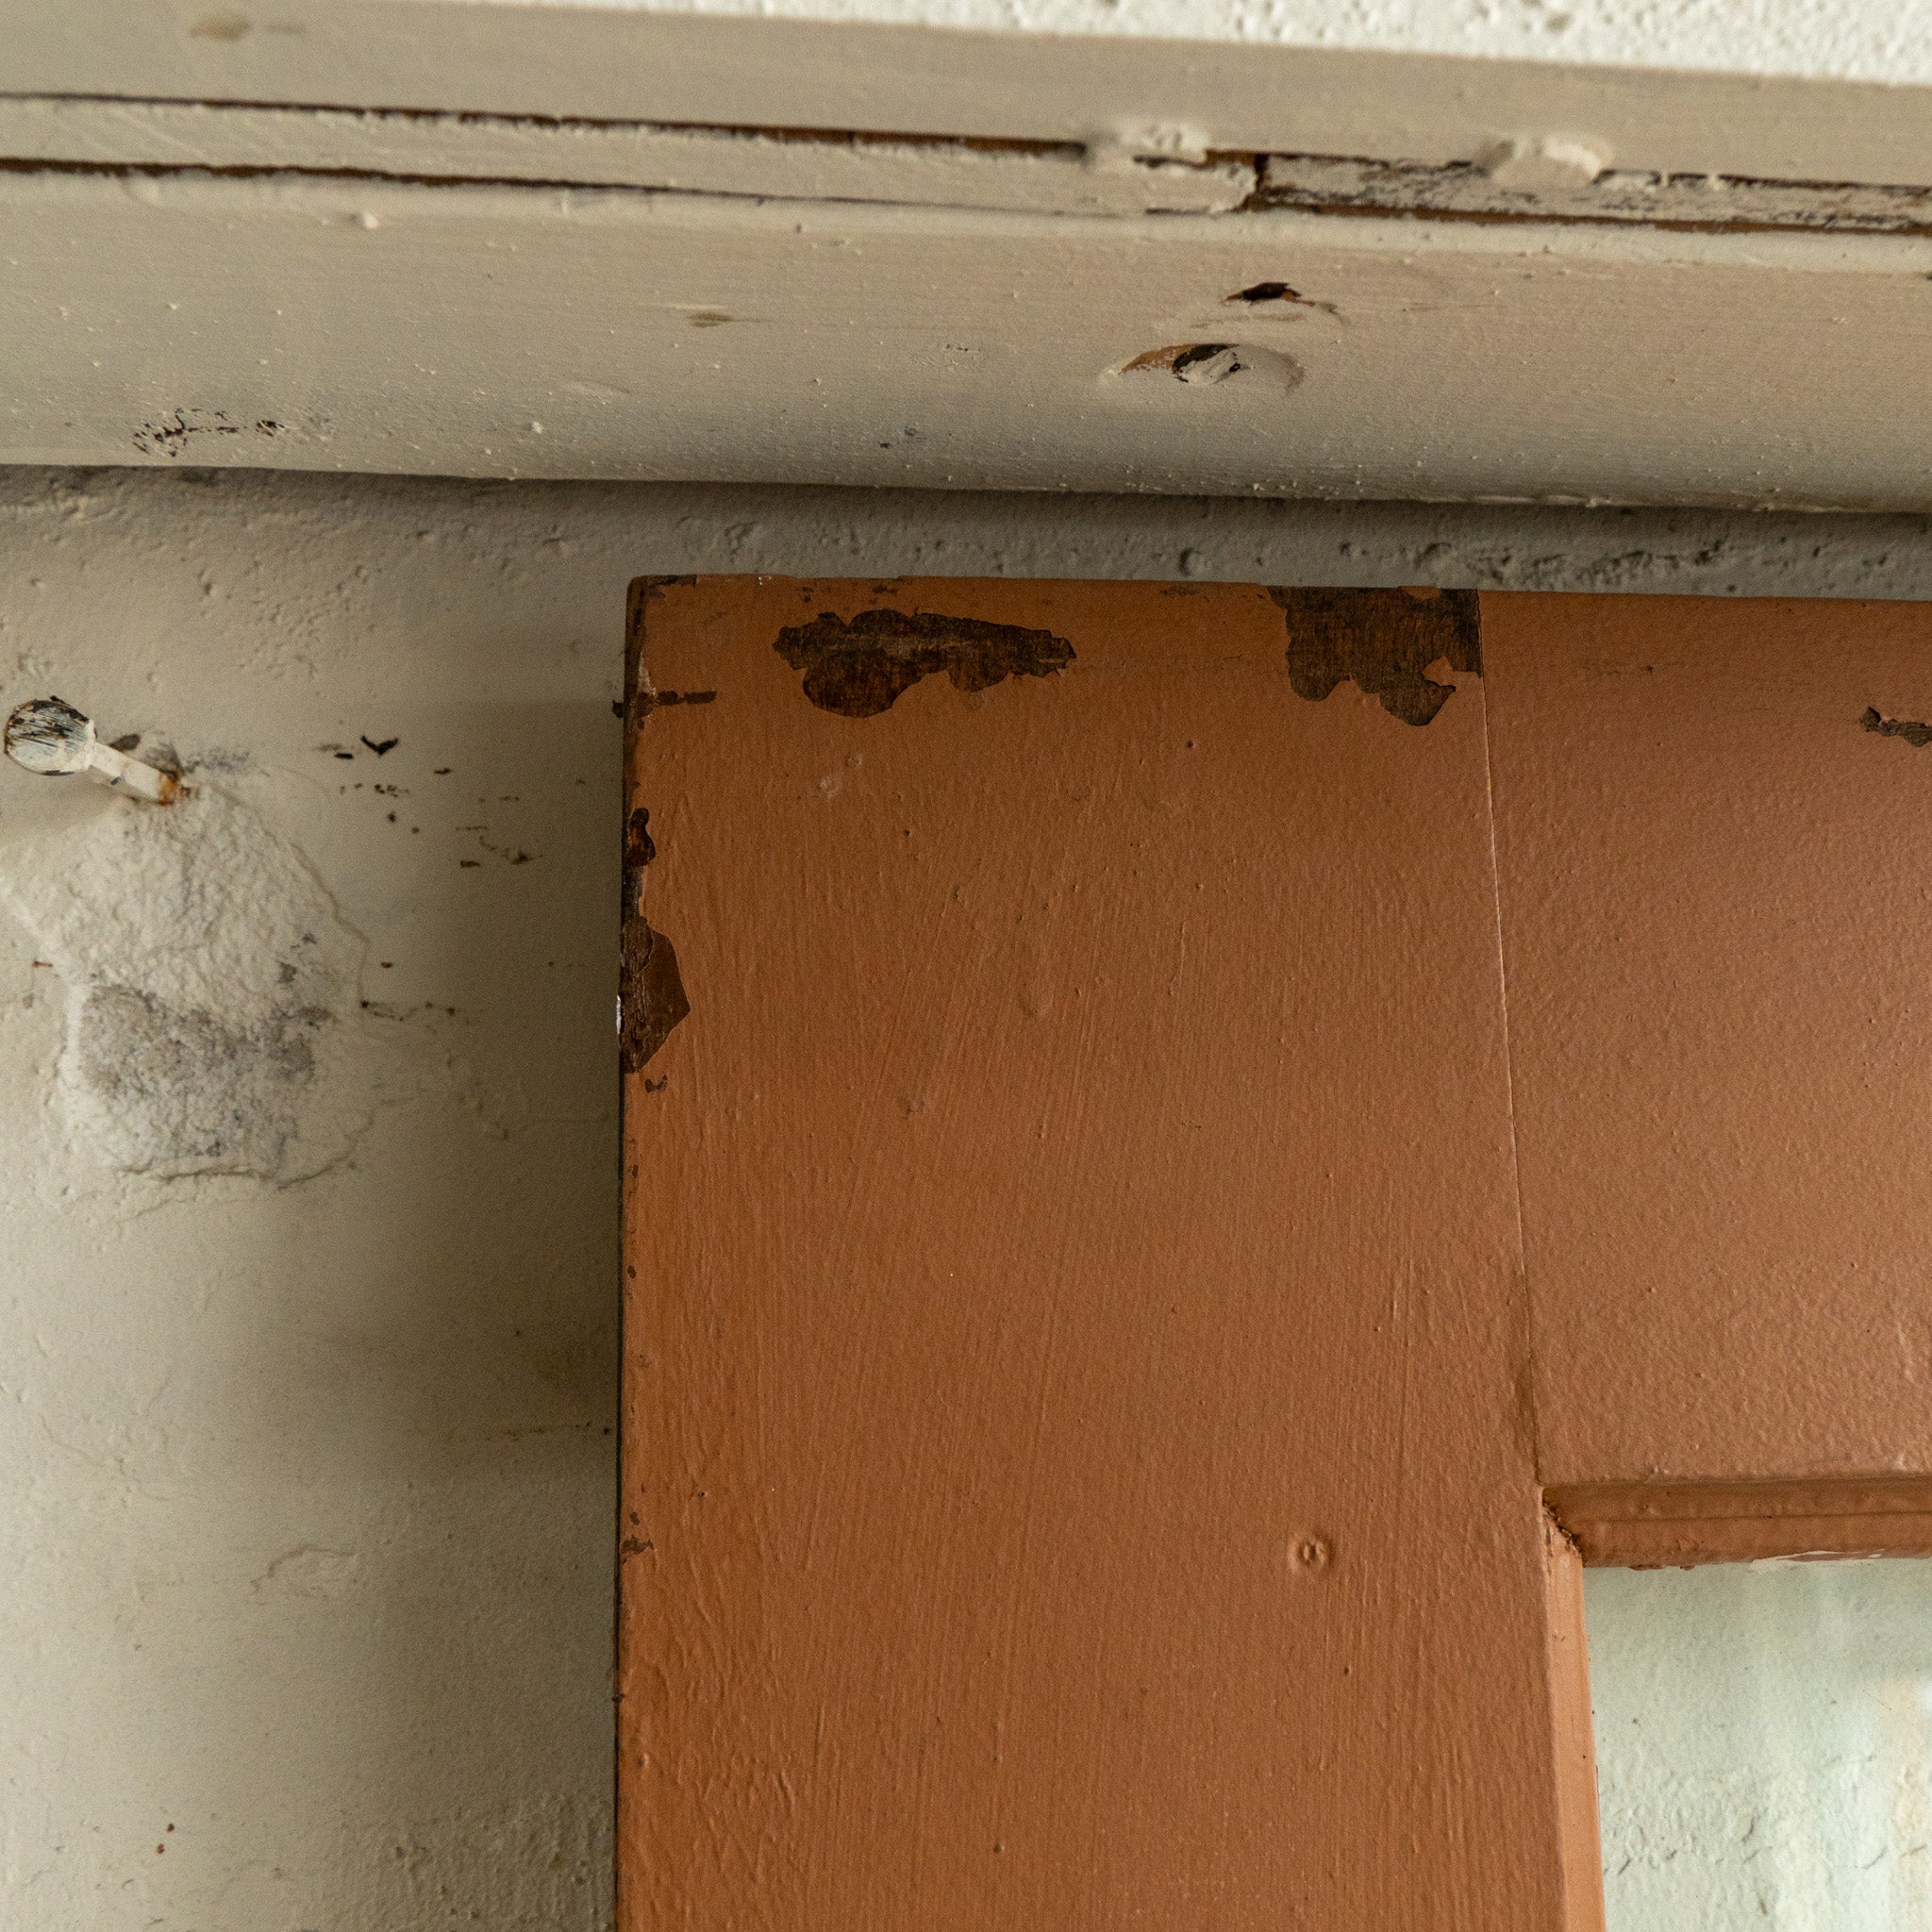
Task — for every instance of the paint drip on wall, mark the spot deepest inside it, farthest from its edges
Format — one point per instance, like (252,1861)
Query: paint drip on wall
(211,989)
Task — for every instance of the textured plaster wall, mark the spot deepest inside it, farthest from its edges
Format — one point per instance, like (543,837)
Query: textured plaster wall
(306,1337)
(1765,1745)
(307,1127)
(1841,39)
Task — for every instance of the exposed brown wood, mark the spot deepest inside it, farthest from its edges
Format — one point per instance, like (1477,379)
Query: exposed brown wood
(1078,1456)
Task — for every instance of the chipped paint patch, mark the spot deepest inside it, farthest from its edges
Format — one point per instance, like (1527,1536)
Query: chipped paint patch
(1279,294)
(1385,640)
(1913,733)
(172,435)
(651,1000)
(1216,363)
(862,667)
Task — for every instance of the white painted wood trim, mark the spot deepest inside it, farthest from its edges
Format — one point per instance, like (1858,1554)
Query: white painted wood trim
(1509,182)
(305,322)
(492,148)
(592,63)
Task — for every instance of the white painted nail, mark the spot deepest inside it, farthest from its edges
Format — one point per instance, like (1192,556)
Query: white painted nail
(49,736)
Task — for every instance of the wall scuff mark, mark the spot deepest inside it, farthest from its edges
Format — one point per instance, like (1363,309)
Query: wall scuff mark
(170,436)
(653,700)
(862,667)
(210,986)
(1386,641)
(1913,733)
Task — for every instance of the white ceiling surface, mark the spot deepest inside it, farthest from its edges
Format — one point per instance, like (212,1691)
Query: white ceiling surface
(1847,39)
(689,295)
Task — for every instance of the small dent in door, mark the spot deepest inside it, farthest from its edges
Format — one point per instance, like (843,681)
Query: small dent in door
(861,667)
(1386,641)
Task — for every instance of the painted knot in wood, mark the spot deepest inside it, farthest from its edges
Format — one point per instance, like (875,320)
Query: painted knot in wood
(1386,641)
(862,666)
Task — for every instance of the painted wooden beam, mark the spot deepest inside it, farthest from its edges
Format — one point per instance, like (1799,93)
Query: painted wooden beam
(627,64)
(1044,176)
(299,320)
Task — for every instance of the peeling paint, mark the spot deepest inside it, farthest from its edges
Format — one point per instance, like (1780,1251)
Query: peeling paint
(1258,294)
(861,667)
(1385,640)
(1914,734)
(656,699)
(1216,363)
(652,1003)
(651,1000)
(639,848)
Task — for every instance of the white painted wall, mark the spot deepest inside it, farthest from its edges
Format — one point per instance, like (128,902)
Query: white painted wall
(1849,39)
(1765,1746)
(306,1490)
(306,1338)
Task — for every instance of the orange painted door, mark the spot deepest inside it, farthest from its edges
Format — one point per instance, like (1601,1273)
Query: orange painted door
(1712,822)
(1080,1460)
